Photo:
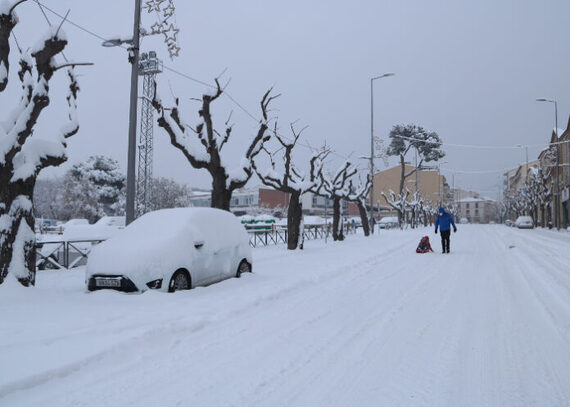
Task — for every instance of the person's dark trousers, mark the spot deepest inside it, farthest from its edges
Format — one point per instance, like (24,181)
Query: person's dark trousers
(445,240)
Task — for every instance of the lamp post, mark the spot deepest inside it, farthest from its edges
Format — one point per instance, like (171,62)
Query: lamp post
(131,155)
(372,145)
(557,191)
(439,183)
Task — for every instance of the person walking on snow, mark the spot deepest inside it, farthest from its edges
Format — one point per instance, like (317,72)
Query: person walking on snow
(444,221)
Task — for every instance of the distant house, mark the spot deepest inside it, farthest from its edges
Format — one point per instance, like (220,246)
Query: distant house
(249,200)
(477,210)
(433,186)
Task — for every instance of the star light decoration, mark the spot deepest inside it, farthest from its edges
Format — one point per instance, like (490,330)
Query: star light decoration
(164,25)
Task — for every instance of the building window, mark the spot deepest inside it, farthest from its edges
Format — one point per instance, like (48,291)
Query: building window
(476,212)
(476,206)
(467,206)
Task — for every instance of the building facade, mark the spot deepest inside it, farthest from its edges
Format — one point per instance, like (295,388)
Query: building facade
(477,210)
(432,185)
(250,200)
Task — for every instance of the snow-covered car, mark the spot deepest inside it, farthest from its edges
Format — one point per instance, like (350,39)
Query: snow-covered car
(103,229)
(171,249)
(464,221)
(524,222)
(388,222)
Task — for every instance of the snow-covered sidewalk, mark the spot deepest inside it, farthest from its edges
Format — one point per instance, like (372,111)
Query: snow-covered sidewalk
(365,322)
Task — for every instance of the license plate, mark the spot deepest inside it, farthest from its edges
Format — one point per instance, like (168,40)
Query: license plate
(107,282)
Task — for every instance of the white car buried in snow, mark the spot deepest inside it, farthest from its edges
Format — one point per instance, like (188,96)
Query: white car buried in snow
(524,222)
(171,249)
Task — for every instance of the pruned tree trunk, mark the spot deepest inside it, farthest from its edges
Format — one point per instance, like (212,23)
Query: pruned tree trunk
(294,216)
(17,238)
(221,195)
(336,217)
(22,155)
(363,218)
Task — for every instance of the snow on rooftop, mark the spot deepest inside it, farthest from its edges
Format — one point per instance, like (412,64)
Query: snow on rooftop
(560,131)
(471,199)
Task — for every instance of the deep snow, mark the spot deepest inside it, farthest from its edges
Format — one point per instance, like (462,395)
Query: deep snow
(365,322)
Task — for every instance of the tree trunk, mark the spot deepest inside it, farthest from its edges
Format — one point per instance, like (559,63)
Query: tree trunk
(336,216)
(294,215)
(363,218)
(17,239)
(402,174)
(221,196)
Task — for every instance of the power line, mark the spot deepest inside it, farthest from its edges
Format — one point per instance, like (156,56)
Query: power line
(240,106)
(475,146)
(476,172)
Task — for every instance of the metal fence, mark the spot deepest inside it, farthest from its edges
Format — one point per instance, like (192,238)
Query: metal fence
(278,235)
(57,254)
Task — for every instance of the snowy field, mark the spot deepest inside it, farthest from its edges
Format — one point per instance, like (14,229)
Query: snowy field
(365,322)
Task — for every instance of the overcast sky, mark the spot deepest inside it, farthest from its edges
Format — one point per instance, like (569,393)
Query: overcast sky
(469,70)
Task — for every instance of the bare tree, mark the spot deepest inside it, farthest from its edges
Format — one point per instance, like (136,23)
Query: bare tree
(208,155)
(358,194)
(291,180)
(22,156)
(338,188)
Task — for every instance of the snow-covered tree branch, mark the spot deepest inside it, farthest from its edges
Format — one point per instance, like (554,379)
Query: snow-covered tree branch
(291,180)
(207,154)
(398,203)
(22,154)
(338,187)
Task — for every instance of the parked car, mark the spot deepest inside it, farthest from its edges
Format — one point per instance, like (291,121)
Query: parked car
(103,229)
(509,223)
(464,221)
(170,250)
(388,222)
(524,222)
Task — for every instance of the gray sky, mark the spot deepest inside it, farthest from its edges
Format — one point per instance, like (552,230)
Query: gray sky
(470,70)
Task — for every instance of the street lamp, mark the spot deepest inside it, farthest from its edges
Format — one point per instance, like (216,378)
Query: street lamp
(131,155)
(526,163)
(372,144)
(557,192)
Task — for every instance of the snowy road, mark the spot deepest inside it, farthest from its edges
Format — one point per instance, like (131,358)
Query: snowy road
(365,322)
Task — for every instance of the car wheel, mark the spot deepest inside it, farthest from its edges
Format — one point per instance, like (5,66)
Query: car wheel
(244,267)
(180,280)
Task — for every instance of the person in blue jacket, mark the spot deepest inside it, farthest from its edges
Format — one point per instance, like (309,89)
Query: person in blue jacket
(444,221)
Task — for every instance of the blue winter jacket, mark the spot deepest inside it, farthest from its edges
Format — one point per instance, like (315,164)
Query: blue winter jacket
(444,221)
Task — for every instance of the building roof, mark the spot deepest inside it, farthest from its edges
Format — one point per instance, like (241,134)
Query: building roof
(475,200)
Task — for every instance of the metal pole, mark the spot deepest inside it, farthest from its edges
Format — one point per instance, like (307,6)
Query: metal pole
(439,184)
(557,200)
(372,154)
(526,165)
(131,157)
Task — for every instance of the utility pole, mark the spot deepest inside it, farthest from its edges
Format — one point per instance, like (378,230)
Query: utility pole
(132,149)
(372,146)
